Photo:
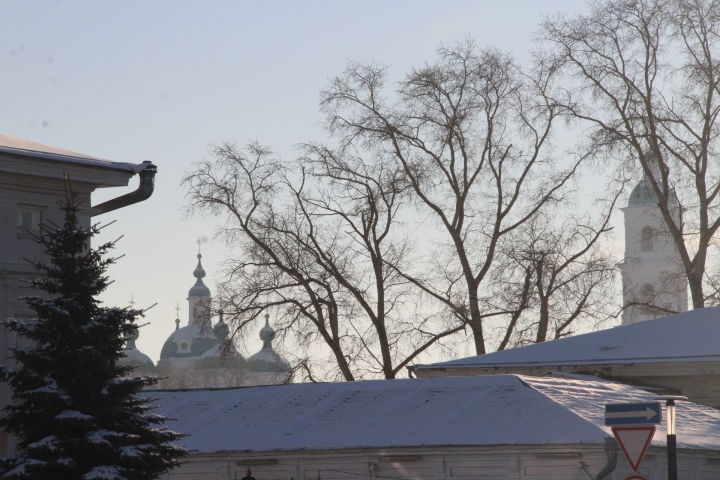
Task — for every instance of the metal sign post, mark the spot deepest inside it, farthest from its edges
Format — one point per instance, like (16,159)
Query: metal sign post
(671,438)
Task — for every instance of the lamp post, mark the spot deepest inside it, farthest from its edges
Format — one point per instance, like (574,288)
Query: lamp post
(671,438)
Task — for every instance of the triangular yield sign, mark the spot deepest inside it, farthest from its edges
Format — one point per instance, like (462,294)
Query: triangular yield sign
(634,442)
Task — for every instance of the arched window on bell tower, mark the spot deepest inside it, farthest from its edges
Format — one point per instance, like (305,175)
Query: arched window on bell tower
(647,294)
(647,235)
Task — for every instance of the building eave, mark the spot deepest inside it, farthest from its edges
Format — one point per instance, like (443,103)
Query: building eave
(77,160)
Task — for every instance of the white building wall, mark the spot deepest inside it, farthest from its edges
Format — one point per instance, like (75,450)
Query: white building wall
(18,194)
(36,187)
(571,462)
(183,373)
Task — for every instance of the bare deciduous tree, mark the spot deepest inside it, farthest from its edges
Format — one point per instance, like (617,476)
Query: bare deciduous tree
(471,135)
(644,75)
(459,167)
(318,243)
(555,274)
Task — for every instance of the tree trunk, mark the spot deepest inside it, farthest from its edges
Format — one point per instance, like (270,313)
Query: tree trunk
(476,322)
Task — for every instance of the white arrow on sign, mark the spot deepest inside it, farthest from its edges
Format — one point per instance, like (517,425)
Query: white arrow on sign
(634,442)
(648,414)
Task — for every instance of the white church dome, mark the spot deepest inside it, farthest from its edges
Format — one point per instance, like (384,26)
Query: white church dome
(132,357)
(189,341)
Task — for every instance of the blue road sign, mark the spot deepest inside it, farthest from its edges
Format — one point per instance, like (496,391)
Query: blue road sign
(633,413)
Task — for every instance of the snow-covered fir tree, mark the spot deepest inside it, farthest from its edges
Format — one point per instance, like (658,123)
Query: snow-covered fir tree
(76,413)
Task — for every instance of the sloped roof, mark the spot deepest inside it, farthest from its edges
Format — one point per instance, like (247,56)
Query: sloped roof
(685,337)
(438,411)
(28,148)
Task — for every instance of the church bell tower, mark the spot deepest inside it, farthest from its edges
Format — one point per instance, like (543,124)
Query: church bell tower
(654,281)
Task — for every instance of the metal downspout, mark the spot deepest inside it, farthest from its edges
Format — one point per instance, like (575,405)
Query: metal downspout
(611,450)
(143,192)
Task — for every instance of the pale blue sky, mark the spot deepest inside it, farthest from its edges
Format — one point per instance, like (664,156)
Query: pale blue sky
(164,80)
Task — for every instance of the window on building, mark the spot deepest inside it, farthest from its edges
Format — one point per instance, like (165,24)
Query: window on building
(29,218)
(646,239)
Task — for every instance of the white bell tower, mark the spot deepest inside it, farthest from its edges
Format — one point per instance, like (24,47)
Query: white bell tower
(654,281)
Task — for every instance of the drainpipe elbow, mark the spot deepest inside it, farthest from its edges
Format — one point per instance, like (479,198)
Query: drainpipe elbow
(143,192)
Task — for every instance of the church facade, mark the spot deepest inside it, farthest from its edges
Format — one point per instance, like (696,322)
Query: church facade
(201,353)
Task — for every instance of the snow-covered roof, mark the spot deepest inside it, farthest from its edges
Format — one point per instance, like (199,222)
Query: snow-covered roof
(28,148)
(438,411)
(685,337)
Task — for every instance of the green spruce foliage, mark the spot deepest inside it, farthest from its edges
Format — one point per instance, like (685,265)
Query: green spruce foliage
(76,413)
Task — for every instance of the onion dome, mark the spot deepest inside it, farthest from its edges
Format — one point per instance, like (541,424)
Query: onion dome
(643,195)
(199,289)
(223,354)
(132,357)
(267,360)
(221,330)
